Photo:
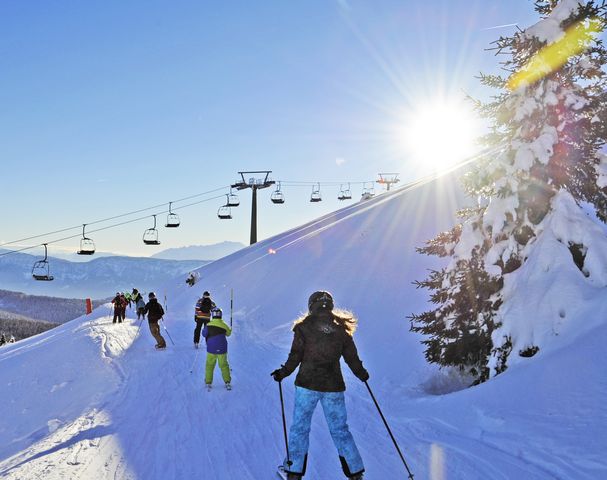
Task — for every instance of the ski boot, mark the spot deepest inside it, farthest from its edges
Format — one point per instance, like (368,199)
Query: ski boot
(228,386)
(196,345)
(209,387)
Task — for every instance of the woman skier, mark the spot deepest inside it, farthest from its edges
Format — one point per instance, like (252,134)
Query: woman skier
(321,338)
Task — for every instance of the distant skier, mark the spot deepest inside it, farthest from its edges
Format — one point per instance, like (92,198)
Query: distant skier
(2,339)
(321,338)
(155,312)
(192,279)
(139,303)
(117,308)
(202,314)
(12,339)
(216,332)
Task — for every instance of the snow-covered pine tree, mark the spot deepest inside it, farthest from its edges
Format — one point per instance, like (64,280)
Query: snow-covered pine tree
(548,125)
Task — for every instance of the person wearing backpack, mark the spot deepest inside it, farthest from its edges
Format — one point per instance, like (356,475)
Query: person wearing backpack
(215,333)
(155,312)
(139,303)
(202,315)
(321,338)
(117,301)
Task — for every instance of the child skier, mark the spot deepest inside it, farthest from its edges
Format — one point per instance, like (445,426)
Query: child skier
(216,332)
(155,313)
(321,337)
(202,315)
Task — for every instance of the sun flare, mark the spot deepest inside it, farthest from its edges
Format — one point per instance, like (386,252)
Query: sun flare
(439,134)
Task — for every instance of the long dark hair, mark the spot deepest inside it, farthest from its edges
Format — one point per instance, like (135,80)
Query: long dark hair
(343,318)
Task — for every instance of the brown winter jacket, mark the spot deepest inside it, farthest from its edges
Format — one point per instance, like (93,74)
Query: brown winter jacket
(318,344)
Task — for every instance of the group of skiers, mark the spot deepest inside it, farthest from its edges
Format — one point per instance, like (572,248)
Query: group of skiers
(125,299)
(321,337)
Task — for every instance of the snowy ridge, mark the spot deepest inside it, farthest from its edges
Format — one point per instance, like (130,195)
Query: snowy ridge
(95,400)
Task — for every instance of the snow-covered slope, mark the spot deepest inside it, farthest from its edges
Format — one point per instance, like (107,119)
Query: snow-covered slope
(95,400)
(203,252)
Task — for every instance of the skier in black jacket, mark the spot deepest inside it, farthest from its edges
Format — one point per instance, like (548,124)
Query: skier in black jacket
(202,315)
(155,312)
(321,338)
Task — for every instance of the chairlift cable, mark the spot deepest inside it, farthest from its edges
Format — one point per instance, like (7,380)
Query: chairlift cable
(133,220)
(115,217)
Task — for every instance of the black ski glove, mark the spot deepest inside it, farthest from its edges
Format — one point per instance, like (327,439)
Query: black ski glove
(277,374)
(364,376)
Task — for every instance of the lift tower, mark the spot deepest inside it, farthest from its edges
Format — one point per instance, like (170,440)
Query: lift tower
(254,184)
(388,179)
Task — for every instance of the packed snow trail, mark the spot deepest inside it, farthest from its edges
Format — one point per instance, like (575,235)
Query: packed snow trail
(95,400)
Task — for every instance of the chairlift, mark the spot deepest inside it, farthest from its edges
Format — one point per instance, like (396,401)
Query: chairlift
(224,212)
(344,193)
(368,192)
(233,200)
(172,219)
(277,195)
(41,269)
(316,197)
(87,246)
(150,236)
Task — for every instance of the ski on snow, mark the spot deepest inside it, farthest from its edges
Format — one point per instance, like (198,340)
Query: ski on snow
(281,472)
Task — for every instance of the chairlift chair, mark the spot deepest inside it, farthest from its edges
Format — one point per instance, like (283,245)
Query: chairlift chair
(277,195)
(87,246)
(316,196)
(233,200)
(172,219)
(224,212)
(345,194)
(41,269)
(150,236)
(368,192)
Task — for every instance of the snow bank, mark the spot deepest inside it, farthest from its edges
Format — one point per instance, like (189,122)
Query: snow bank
(549,302)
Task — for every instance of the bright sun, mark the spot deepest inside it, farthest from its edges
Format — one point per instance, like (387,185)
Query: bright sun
(439,134)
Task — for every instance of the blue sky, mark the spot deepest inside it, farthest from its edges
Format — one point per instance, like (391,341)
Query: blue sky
(113,106)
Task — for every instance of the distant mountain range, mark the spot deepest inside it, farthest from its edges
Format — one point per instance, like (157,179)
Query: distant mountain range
(200,252)
(99,278)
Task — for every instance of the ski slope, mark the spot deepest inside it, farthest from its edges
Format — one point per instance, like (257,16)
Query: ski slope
(93,400)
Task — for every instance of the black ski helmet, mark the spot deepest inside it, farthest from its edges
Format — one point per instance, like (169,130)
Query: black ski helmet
(151,295)
(319,301)
(216,313)
(206,294)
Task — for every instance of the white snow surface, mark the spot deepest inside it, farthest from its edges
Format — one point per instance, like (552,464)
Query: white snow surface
(549,301)
(94,400)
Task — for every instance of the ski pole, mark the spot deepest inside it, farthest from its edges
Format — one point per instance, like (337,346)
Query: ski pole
(139,326)
(194,364)
(231,305)
(390,432)
(284,423)
(165,329)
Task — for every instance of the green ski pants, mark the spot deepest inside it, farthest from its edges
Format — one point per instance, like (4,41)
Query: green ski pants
(212,359)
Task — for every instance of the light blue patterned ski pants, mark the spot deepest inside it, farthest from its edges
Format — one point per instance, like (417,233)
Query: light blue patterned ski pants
(334,408)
